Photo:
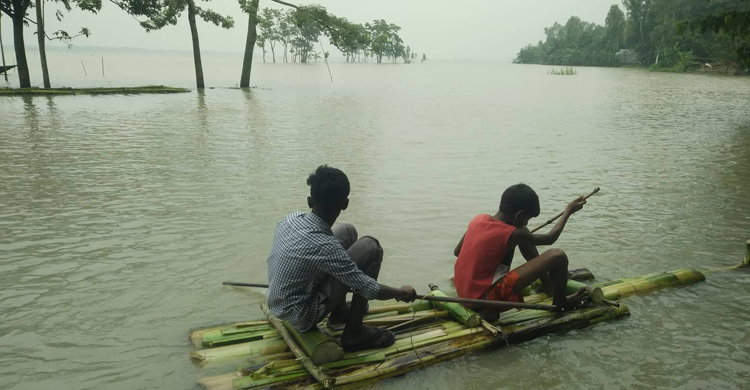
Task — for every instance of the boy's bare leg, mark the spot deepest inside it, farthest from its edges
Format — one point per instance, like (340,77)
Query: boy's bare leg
(554,262)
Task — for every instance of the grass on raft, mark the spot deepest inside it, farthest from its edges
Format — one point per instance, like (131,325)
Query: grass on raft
(91,91)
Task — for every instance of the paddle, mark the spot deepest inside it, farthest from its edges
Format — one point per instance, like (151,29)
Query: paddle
(476,302)
(549,221)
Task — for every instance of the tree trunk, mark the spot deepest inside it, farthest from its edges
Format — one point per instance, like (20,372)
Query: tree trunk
(640,23)
(40,38)
(196,46)
(273,53)
(2,49)
(20,48)
(252,35)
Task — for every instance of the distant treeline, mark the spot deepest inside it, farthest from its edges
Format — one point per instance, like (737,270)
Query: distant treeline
(674,35)
(296,31)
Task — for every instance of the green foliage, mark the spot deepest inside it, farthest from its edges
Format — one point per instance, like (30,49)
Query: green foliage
(167,12)
(569,71)
(615,24)
(675,60)
(681,33)
(298,30)
(577,43)
(728,17)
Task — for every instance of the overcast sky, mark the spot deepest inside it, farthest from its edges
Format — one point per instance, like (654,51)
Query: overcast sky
(440,28)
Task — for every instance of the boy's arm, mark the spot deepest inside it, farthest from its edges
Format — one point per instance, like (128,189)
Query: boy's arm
(457,251)
(529,253)
(525,237)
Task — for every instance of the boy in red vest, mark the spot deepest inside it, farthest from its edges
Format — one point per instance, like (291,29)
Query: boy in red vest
(485,253)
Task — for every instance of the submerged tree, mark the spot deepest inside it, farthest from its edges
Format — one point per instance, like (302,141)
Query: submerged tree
(16,10)
(251,8)
(268,29)
(169,12)
(59,35)
(385,40)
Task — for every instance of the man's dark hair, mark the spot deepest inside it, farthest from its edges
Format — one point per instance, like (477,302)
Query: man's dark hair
(519,197)
(328,186)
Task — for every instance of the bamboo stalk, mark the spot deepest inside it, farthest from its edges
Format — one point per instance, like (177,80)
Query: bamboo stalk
(401,307)
(320,348)
(560,214)
(245,350)
(458,311)
(595,293)
(315,371)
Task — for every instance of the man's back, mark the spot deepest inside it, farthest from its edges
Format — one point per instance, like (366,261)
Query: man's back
(304,252)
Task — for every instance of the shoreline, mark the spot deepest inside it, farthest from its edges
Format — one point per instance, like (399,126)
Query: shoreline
(146,89)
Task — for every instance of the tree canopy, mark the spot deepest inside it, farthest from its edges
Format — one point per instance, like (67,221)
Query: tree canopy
(298,29)
(666,34)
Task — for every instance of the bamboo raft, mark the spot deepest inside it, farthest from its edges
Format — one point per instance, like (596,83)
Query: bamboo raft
(271,354)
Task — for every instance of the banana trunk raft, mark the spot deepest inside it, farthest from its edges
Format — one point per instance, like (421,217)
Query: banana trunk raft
(271,354)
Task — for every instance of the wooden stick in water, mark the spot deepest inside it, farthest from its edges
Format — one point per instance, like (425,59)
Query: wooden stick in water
(476,302)
(549,221)
(238,284)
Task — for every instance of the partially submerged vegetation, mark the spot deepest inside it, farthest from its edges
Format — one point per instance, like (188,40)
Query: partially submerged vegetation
(296,30)
(569,71)
(91,91)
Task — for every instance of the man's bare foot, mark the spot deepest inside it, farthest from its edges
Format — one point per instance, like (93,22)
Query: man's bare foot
(573,301)
(368,338)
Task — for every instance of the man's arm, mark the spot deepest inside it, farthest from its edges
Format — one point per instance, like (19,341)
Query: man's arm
(525,237)
(405,293)
(530,252)
(337,263)
(457,251)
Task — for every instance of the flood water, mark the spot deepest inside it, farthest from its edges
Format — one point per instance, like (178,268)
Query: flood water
(120,216)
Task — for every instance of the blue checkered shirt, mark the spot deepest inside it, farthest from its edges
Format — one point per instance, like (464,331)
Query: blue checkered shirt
(304,252)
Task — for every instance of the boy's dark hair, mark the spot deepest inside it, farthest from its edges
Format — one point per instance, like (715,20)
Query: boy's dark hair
(519,197)
(328,186)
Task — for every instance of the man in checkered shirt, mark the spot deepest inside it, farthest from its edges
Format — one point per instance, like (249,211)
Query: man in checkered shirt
(315,262)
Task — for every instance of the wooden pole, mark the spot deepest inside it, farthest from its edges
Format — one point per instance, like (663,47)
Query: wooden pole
(84,68)
(314,370)
(487,303)
(2,49)
(477,302)
(103,67)
(549,221)
(326,59)
(238,284)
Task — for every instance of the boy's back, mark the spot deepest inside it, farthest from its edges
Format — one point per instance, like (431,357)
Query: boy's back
(484,257)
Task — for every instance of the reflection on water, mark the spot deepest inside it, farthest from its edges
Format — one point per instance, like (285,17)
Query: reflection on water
(122,214)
